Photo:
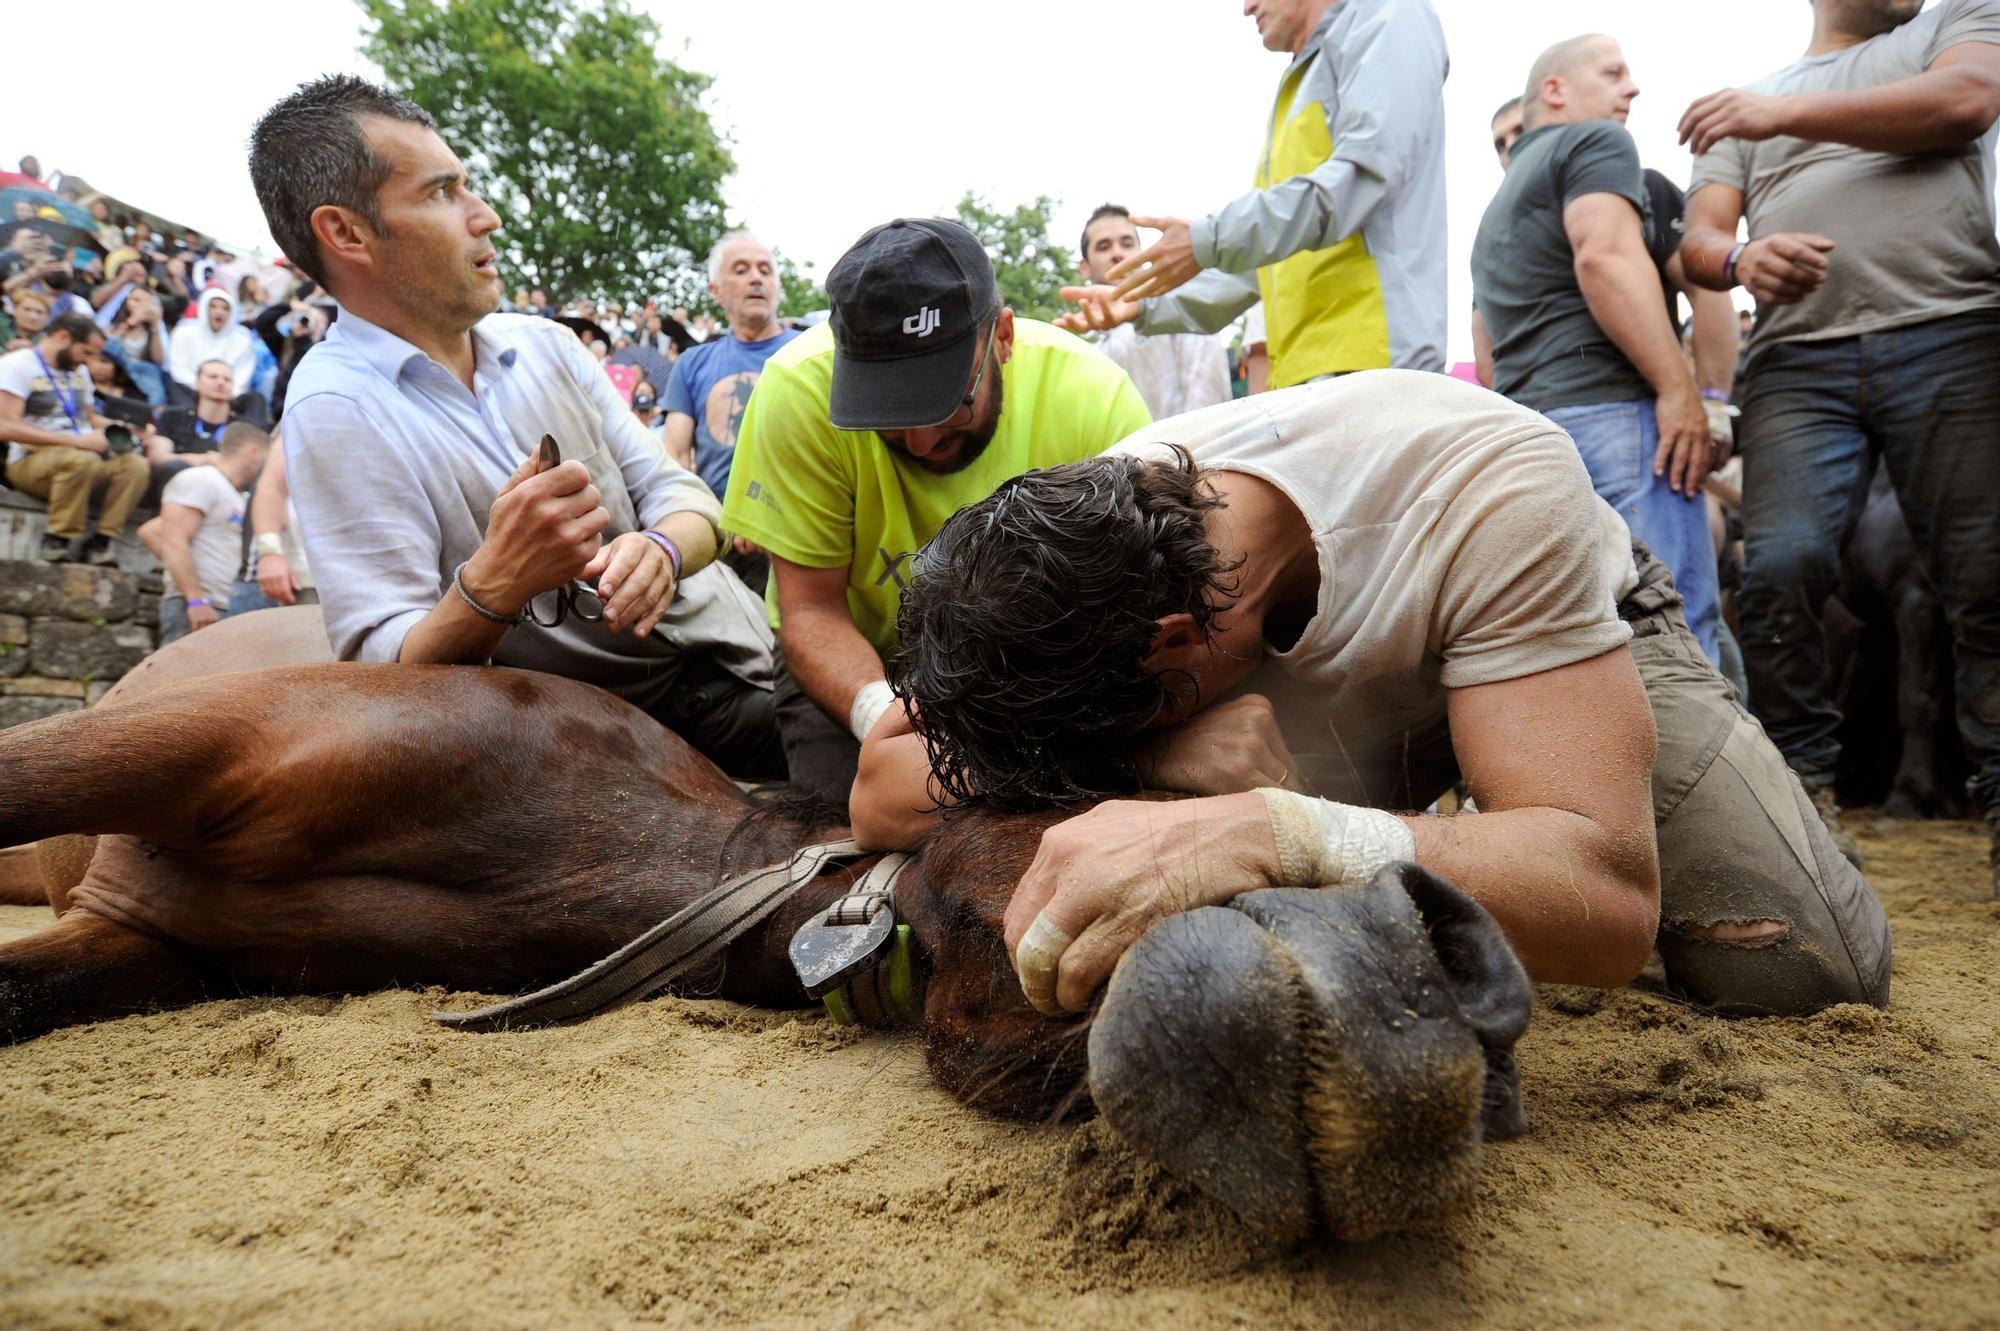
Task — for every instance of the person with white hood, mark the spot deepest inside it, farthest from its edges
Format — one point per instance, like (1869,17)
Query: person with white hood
(212,333)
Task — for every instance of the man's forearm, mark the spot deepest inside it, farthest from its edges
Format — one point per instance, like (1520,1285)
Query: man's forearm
(1624,294)
(1597,928)
(453,633)
(893,804)
(694,536)
(1937,109)
(1715,340)
(176,557)
(33,436)
(830,659)
(1704,253)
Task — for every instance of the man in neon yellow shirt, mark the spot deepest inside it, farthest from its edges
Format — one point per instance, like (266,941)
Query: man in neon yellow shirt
(1343,234)
(920,395)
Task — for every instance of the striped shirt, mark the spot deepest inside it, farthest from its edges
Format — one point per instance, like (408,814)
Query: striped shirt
(394,466)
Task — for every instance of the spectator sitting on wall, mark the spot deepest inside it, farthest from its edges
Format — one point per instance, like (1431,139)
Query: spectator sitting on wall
(189,436)
(58,448)
(214,334)
(198,534)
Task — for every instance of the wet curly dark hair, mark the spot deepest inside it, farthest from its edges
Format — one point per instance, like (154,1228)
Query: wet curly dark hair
(1027,618)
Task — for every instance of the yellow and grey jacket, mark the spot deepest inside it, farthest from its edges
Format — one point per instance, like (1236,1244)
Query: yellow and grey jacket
(1344,235)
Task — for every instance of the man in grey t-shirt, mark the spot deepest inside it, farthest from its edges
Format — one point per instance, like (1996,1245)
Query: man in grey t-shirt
(1865,170)
(1563,274)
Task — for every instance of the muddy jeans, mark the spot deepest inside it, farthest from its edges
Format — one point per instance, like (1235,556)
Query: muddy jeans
(1739,840)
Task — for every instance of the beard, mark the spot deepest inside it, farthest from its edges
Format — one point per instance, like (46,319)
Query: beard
(966,445)
(1872,18)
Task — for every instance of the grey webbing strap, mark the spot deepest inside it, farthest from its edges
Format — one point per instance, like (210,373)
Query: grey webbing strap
(666,951)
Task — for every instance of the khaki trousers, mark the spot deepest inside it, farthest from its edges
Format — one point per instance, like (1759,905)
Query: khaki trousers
(68,477)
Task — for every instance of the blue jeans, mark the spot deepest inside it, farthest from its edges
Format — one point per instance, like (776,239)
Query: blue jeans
(1617,441)
(1925,399)
(247,596)
(174,618)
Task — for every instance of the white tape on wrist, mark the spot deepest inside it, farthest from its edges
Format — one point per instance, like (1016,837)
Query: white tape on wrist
(869,704)
(1324,844)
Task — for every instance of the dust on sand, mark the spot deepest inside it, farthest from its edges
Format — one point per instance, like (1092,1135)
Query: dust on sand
(321,1162)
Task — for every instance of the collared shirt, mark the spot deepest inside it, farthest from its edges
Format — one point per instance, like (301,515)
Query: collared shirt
(394,466)
(1174,372)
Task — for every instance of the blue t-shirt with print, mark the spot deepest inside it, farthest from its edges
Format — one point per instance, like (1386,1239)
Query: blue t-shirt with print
(712,382)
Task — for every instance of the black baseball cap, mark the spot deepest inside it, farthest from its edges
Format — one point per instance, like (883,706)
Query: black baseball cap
(908,303)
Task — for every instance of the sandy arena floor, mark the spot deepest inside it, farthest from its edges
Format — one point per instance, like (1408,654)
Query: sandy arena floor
(343,1163)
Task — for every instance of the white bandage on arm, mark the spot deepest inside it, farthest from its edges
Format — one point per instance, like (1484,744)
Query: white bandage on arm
(1324,844)
(869,704)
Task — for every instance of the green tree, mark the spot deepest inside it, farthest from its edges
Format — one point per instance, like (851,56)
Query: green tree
(595,151)
(803,291)
(1030,265)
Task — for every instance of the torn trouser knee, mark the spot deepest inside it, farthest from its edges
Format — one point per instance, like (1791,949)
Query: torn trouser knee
(1739,842)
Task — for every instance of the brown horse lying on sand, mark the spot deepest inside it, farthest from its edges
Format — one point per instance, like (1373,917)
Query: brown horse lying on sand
(1321,1061)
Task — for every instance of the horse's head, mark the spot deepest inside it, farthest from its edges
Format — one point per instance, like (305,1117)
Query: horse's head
(1322,1061)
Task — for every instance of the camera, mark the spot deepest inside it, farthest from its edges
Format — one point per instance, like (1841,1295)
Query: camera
(118,440)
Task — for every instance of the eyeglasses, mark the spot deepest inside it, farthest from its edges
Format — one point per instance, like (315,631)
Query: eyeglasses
(972,394)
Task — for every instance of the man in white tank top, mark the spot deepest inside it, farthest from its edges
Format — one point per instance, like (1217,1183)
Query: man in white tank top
(1312,607)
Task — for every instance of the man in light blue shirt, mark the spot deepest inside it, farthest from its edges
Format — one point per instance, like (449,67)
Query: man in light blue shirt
(412,432)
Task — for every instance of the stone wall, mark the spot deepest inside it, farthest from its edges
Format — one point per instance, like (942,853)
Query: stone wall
(67,632)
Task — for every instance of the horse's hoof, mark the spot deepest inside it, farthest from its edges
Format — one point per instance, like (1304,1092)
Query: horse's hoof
(1321,1061)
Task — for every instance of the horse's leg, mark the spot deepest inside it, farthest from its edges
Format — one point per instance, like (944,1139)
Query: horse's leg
(112,769)
(86,968)
(22,882)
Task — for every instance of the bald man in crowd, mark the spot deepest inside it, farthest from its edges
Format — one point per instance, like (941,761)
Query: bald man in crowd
(1566,273)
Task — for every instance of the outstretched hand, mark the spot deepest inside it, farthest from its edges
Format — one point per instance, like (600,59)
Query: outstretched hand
(1098,310)
(1162,266)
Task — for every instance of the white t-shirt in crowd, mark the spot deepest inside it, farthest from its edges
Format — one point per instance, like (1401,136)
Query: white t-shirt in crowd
(1460,543)
(218,544)
(44,392)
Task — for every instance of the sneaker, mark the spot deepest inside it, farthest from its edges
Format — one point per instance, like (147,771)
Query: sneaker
(99,550)
(55,549)
(1828,810)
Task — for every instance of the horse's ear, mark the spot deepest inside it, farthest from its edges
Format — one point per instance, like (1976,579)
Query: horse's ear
(1487,978)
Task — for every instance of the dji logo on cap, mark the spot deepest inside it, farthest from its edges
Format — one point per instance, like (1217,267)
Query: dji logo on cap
(923,323)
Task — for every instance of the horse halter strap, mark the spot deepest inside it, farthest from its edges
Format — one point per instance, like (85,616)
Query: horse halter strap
(667,951)
(855,958)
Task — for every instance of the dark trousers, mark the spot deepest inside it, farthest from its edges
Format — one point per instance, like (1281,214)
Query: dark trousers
(1925,399)
(729,721)
(821,754)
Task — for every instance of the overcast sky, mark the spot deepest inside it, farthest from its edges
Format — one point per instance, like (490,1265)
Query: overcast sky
(845,115)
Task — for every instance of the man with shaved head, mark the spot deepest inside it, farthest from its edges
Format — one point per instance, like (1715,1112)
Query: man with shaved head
(1566,275)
